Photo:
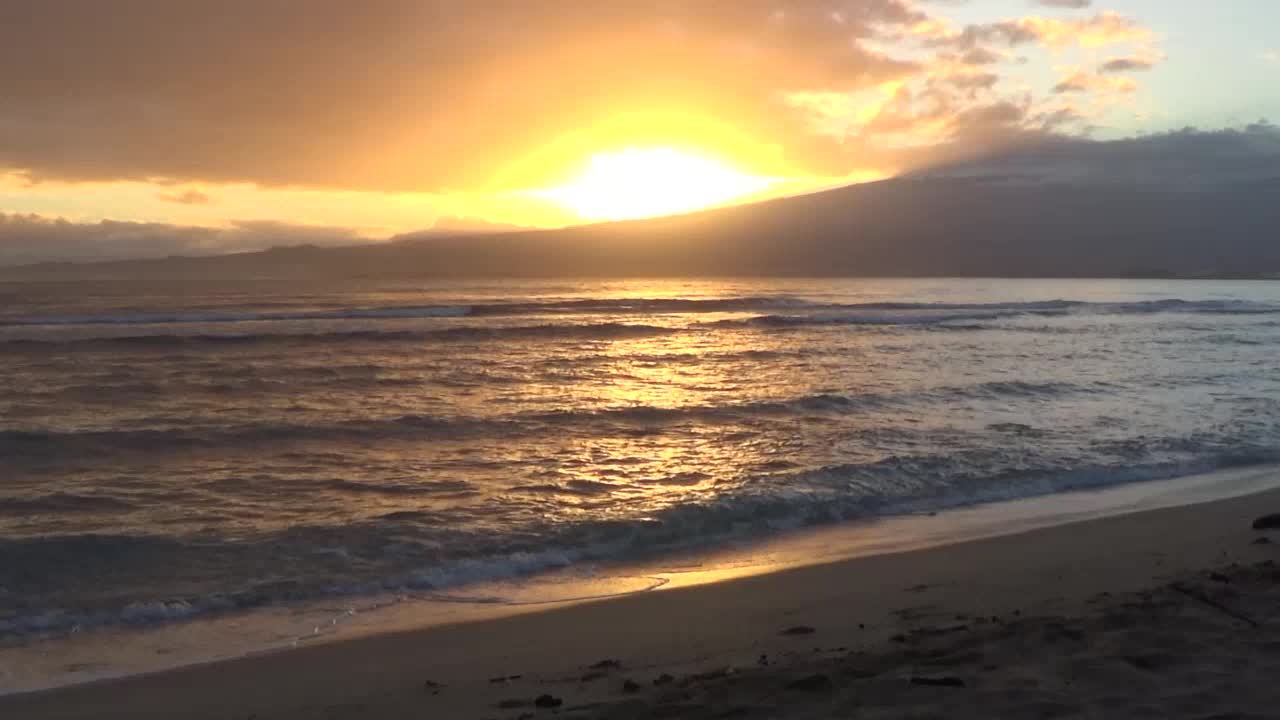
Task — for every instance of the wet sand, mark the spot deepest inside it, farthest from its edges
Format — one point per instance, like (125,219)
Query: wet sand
(1164,613)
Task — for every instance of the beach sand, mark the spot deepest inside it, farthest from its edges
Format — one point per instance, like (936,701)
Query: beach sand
(1170,613)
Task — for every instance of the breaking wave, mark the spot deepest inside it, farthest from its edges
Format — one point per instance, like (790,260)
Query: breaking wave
(296,565)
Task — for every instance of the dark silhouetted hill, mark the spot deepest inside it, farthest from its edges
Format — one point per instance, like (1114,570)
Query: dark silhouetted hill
(934,226)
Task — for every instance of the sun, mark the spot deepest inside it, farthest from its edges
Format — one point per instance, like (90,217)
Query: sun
(652,181)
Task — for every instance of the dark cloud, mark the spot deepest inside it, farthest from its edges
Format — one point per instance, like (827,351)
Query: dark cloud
(401,94)
(1127,64)
(186,197)
(976,37)
(972,81)
(1075,82)
(33,238)
(980,56)
(1073,4)
(1061,118)
(1103,28)
(1082,81)
(1184,158)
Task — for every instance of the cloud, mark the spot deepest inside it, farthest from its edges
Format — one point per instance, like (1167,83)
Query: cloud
(1271,56)
(1105,28)
(441,96)
(28,238)
(1187,158)
(186,197)
(1127,64)
(424,95)
(1082,81)
(981,56)
(973,81)
(958,107)
(1072,4)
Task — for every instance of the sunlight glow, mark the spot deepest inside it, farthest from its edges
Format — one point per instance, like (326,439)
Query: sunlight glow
(647,182)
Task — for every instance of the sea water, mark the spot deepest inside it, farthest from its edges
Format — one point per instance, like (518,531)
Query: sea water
(173,453)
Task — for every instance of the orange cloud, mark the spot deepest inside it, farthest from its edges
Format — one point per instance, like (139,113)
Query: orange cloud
(186,197)
(1105,28)
(487,96)
(405,95)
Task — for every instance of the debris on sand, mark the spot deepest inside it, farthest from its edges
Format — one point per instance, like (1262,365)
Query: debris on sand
(951,682)
(812,683)
(547,701)
(1267,522)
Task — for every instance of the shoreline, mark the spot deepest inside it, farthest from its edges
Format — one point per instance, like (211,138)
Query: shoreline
(229,637)
(683,630)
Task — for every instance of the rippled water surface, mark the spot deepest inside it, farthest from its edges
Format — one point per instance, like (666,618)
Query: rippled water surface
(170,451)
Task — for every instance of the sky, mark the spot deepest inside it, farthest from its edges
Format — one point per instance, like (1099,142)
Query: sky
(155,127)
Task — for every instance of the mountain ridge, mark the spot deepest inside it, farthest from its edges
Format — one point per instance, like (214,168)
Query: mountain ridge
(907,226)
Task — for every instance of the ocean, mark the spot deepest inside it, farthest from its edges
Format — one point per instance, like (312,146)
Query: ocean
(172,452)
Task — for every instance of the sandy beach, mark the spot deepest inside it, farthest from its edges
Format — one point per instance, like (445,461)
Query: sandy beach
(1164,613)
(558,359)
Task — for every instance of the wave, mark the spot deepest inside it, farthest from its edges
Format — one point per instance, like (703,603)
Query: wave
(436,488)
(635,306)
(969,316)
(648,306)
(55,444)
(592,331)
(952,316)
(386,555)
(213,317)
(63,502)
(604,421)
(922,315)
(867,317)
